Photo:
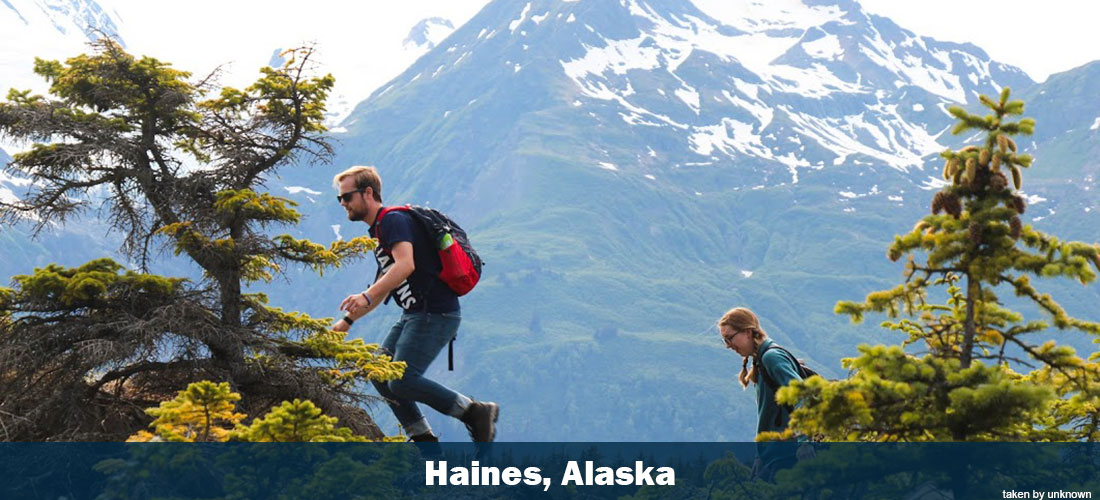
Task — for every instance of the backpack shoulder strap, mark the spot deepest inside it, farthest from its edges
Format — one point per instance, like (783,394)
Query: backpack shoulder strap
(798,368)
(377,226)
(378,231)
(764,370)
(385,210)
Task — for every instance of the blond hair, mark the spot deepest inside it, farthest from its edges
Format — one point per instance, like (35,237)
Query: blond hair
(739,319)
(365,177)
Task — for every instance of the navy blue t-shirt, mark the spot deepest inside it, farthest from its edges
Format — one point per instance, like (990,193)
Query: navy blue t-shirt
(423,290)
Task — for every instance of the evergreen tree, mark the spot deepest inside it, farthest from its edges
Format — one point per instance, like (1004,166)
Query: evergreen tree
(204,411)
(176,162)
(295,421)
(965,387)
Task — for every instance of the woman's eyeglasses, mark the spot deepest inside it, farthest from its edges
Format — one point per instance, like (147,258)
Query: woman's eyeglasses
(346,197)
(728,341)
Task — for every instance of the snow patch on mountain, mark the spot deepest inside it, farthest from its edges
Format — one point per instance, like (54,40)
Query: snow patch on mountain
(1033,199)
(933,183)
(826,47)
(756,107)
(690,97)
(427,34)
(512,26)
(894,141)
(300,189)
(773,15)
(817,81)
(616,56)
(773,52)
(911,68)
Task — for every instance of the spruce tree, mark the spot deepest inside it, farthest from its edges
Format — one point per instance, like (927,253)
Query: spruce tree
(964,384)
(171,162)
(206,412)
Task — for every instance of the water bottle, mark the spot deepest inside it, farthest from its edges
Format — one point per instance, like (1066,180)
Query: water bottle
(446,241)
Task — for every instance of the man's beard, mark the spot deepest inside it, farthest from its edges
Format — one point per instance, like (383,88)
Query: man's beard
(354,215)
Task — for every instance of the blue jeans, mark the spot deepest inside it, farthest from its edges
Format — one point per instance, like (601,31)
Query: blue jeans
(417,338)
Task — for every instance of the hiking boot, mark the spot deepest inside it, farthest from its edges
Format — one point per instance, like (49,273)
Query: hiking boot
(428,444)
(426,437)
(480,419)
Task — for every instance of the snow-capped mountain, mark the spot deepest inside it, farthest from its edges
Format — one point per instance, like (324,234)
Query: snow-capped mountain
(428,33)
(660,88)
(48,29)
(81,18)
(421,38)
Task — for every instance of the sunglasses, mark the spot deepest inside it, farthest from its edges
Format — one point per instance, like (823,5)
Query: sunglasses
(346,197)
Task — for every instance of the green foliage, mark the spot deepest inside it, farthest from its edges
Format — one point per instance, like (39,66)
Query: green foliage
(295,421)
(894,396)
(357,359)
(96,282)
(245,204)
(111,340)
(973,242)
(317,256)
(204,411)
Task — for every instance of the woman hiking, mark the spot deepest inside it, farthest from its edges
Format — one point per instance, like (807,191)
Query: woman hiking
(772,367)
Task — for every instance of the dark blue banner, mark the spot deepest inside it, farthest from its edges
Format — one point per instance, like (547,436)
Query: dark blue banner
(77,471)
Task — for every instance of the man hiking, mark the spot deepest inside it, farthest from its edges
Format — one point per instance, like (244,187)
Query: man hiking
(409,274)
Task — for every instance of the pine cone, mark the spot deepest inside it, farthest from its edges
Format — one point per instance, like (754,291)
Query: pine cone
(975,233)
(998,182)
(952,205)
(971,170)
(1016,227)
(937,202)
(1019,204)
(893,254)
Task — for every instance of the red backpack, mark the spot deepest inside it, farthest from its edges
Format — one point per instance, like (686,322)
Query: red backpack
(461,263)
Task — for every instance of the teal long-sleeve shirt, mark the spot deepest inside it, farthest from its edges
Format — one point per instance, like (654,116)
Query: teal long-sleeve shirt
(771,416)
